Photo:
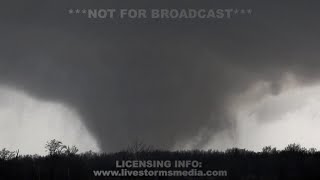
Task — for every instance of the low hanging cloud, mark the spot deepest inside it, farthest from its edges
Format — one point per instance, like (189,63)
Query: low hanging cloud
(28,123)
(162,84)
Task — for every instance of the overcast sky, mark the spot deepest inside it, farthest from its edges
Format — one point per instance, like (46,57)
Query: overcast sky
(250,80)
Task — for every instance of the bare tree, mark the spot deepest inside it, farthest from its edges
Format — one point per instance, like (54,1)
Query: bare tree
(7,155)
(295,148)
(55,147)
(269,150)
(71,150)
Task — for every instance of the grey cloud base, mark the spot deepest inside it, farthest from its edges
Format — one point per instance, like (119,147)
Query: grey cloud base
(157,83)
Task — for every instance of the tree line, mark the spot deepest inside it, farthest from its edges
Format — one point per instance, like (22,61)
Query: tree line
(65,162)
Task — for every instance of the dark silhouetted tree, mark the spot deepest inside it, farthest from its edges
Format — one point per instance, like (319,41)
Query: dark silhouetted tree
(269,150)
(73,150)
(295,148)
(8,155)
(55,147)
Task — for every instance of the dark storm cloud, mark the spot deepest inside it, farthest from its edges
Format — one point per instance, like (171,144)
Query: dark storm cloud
(158,83)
